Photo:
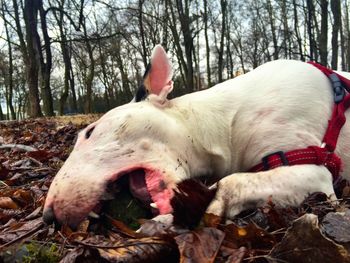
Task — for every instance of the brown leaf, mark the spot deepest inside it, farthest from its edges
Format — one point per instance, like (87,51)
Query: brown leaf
(211,220)
(133,250)
(34,214)
(40,155)
(190,202)
(83,226)
(346,192)
(3,172)
(7,203)
(82,255)
(249,235)
(77,236)
(20,231)
(123,228)
(28,136)
(200,246)
(337,226)
(66,230)
(317,203)
(7,214)
(341,188)
(23,197)
(304,242)
(231,255)
(273,217)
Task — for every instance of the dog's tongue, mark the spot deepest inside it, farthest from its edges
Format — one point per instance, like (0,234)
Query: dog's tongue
(138,189)
(149,187)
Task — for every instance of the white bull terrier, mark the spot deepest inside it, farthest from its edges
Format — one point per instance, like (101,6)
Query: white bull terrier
(219,133)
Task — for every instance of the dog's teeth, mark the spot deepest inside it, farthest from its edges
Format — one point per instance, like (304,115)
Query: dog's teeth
(93,215)
(154,205)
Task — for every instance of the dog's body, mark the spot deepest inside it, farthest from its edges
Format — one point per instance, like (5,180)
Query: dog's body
(221,132)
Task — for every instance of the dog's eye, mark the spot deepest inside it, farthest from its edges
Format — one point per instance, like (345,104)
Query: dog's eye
(89,132)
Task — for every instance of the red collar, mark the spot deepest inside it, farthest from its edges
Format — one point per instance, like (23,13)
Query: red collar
(323,155)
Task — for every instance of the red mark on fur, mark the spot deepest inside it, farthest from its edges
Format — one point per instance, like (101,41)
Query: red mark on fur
(281,120)
(264,112)
(304,137)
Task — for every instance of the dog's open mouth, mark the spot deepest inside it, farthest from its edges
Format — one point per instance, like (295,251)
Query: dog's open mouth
(136,191)
(138,187)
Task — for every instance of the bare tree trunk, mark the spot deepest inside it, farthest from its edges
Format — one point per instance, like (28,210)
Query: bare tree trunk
(144,53)
(196,75)
(286,35)
(9,78)
(68,74)
(335,7)
(229,54)
(2,117)
(324,32)
(65,92)
(238,48)
(68,64)
(165,21)
(125,80)
(347,29)
(222,40)
(184,18)
(177,43)
(297,32)
(105,78)
(255,39)
(273,29)
(207,48)
(311,30)
(91,72)
(260,32)
(32,68)
(66,59)
(45,66)
(342,48)
(196,53)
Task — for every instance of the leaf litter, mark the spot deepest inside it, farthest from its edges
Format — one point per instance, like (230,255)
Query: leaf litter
(31,153)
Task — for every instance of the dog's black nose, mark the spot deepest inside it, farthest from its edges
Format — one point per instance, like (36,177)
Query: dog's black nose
(48,215)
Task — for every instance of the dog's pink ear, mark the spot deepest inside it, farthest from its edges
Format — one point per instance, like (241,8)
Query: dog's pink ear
(158,78)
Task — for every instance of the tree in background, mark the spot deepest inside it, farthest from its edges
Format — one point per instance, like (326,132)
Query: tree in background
(71,56)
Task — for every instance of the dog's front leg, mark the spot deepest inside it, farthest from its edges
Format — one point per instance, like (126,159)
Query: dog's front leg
(287,186)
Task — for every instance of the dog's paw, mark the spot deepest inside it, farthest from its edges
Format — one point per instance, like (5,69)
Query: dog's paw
(228,198)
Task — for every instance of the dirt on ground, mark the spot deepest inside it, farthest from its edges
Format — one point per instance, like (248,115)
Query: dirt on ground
(31,153)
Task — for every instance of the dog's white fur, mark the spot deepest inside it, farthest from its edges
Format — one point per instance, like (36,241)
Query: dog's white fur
(282,105)
(222,132)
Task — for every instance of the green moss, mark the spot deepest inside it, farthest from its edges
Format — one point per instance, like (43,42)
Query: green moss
(41,253)
(127,209)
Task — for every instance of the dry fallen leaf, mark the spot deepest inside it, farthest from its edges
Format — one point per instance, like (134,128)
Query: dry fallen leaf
(231,255)
(28,176)
(190,201)
(249,235)
(304,242)
(337,226)
(7,203)
(20,231)
(200,245)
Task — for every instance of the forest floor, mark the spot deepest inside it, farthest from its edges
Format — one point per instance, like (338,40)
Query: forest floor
(31,153)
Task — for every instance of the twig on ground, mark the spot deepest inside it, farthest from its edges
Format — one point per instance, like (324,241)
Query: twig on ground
(25,235)
(22,147)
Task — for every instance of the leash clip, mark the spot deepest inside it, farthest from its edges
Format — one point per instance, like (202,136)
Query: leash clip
(280,154)
(338,88)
